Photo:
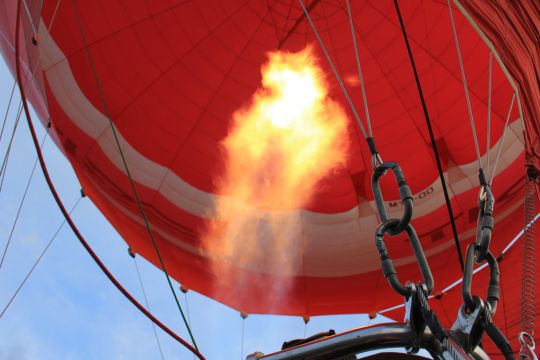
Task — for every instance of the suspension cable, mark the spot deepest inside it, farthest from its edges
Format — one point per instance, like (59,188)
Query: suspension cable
(359,65)
(334,69)
(21,204)
(30,69)
(5,160)
(7,109)
(432,139)
(488,140)
(187,309)
(505,129)
(465,86)
(128,173)
(146,302)
(62,208)
(36,263)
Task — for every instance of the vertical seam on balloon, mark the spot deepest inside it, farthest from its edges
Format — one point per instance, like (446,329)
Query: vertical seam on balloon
(287,18)
(205,109)
(274,23)
(297,23)
(167,71)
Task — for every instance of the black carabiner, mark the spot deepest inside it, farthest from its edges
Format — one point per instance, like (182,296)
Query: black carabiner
(493,291)
(404,193)
(485,223)
(388,265)
(492,297)
(466,292)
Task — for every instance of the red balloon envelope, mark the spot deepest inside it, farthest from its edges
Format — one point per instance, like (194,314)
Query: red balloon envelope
(177,78)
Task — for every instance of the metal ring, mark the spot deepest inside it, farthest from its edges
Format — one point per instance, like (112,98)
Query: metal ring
(484,227)
(492,297)
(525,339)
(376,161)
(404,193)
(388,265)
(467,278)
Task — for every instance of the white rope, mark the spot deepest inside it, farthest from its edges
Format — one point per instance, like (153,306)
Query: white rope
(489,114)
(360,75)
(340,81)
(464,78)
(502,138)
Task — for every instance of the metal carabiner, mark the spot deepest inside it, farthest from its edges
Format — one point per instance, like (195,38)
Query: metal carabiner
(527,347)
(469,325)
(376,161)
(404,194)
(485,223)
(388,265)
(493,291)
(492,297)
(466,292)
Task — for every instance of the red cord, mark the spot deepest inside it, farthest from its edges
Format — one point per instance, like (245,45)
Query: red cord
(66,213)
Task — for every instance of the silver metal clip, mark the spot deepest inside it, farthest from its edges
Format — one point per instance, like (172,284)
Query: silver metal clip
(527,347)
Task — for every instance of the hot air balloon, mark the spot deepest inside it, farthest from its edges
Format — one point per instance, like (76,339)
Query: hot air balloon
(225,140)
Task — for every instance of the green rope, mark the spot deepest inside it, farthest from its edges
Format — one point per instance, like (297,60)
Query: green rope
(141,209)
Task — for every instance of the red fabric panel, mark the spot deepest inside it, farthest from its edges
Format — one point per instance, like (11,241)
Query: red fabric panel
(173,72)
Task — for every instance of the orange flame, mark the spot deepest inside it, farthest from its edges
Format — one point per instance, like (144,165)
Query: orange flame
(290,137)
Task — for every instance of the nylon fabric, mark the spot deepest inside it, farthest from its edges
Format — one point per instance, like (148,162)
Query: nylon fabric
(173,73)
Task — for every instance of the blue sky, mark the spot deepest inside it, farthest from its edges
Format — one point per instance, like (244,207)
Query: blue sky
(69,310)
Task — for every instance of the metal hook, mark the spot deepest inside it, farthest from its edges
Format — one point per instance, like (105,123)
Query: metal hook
(527,346)
(404,194)
(485,223)
(388,265)
(492,297)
